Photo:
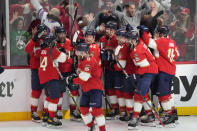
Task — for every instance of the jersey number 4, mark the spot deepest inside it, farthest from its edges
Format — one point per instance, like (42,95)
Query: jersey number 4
(43,63)
(171,54)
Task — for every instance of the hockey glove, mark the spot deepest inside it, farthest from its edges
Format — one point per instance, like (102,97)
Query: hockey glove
(69,79)
(106,55)
(62,49)
(39,33)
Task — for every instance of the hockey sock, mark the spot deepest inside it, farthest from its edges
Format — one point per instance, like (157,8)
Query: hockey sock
(75,94)
(166,103)
(59,105)
(137,105)
(99,117)
(86,116)
(46,104)
(112,98)
(129,102)
(121,101)
(35,95)
(52,107)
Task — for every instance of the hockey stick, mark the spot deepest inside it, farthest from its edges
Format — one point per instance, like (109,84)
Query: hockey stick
(155,112)
(62,78)
(73,21)
(107,103)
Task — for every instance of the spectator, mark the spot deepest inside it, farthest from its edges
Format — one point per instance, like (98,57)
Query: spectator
(17,45)
(183,33)
(130,14)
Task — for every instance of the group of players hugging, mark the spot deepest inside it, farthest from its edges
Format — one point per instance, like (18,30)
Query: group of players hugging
(122,59)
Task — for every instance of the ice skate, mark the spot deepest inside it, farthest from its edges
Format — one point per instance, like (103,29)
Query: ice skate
(35,117)
(75,116)
(133,123)
(169,121)
(148,120)
(59,115)
(44,119)
(54,123)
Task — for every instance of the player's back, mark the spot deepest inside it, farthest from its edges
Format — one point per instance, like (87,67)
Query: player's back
(167,53)
(47,69)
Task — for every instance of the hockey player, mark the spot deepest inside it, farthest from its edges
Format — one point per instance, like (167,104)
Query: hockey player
(108,43)
(92,88)
(125,92)
(33,48)
(49,78)
(131,70)
(147,69)
(64,45)
(165,52)
(93,47)
(50,19)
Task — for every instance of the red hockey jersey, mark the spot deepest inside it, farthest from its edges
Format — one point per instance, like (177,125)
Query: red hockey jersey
(108,45)
(47,69)
(143,58)
(33,48)
(165,52)
(94,51)
(89,75)
(66,66)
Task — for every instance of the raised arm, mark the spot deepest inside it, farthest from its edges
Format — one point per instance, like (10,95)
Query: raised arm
(36,4)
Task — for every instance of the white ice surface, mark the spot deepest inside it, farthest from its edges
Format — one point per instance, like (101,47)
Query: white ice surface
(186,123)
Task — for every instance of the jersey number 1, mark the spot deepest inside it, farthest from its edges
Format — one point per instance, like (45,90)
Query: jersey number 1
(171,54)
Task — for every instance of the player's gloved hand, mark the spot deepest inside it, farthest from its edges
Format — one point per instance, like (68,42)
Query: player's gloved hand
(143,28)
(62,49)
(1,70)
(112,63)
(106,55)
(70,78)
(40,31)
